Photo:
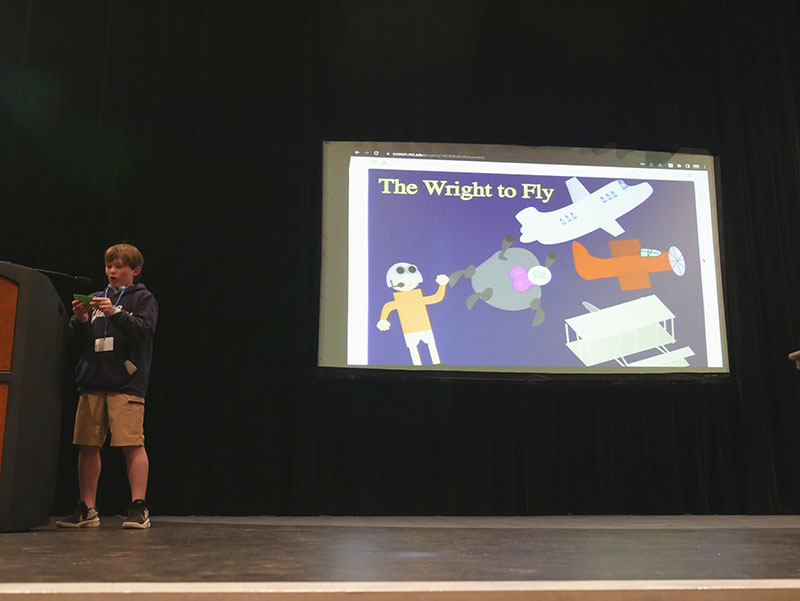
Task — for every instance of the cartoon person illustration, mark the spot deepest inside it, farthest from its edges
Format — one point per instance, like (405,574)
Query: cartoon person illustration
(412,309)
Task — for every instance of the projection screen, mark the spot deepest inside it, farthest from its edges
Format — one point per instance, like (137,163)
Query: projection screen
(485,258)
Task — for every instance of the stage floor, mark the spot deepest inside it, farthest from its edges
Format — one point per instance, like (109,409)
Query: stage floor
(364,554)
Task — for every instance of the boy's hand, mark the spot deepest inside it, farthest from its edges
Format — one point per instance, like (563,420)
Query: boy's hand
(81,310)
(104,304)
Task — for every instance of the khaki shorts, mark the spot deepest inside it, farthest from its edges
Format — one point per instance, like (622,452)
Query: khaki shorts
(99,412)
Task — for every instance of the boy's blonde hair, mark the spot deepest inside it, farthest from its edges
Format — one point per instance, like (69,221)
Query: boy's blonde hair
(127,253)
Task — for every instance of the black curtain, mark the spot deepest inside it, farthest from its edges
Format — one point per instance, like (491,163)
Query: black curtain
(193,130)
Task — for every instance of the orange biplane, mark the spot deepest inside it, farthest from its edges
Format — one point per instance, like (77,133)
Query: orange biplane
(629,263)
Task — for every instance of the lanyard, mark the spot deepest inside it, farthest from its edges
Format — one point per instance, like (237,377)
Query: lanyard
(119,298)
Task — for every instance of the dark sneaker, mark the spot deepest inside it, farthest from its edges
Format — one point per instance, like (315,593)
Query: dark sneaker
(82,517)
(138,515)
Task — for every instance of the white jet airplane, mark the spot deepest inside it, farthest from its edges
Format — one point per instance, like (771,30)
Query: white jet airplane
(588,212)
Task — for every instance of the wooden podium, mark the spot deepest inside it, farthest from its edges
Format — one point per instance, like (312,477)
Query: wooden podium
(32,327)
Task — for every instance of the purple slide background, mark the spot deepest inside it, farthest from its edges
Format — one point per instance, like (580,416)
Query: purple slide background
(442,234)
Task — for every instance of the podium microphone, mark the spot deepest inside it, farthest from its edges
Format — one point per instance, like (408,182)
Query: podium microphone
(78,279)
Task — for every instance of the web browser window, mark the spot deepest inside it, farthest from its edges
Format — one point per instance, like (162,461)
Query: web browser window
(515,259)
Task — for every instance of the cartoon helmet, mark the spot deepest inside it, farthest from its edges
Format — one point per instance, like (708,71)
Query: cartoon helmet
(403,276)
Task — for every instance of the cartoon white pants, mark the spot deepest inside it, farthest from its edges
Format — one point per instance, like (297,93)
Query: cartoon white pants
(412,342)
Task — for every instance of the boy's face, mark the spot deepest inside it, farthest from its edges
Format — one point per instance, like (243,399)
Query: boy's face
(119,274)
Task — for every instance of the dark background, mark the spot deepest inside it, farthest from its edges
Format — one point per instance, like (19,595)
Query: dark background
(193,130)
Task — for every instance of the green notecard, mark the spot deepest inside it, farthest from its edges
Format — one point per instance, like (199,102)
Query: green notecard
(86,300)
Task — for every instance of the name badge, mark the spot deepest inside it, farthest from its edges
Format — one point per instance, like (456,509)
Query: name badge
(103,345)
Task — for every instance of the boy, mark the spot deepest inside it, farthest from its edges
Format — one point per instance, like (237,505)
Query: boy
(115,334)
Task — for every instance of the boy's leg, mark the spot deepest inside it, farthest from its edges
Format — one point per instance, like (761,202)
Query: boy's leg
(91,429)
(138,466)
(89,467)
(85,514)
(434,354)
(126,420)
(415,358)
(412,342)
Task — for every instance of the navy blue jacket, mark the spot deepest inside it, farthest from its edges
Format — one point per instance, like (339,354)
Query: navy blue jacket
(132,330)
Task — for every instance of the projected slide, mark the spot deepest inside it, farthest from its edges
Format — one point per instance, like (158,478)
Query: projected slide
(510,259)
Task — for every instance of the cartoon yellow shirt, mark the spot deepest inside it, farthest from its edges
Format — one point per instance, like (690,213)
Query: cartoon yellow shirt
(411,309)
